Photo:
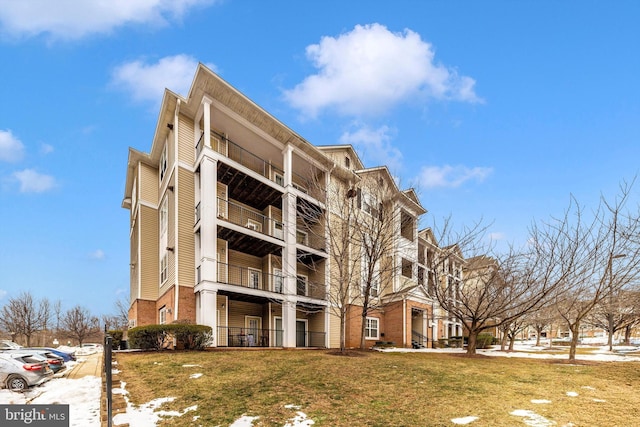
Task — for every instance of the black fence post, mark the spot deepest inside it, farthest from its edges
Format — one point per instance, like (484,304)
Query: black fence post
(107,371)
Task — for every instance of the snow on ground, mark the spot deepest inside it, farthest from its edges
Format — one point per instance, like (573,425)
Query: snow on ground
(82,395)
(528,349)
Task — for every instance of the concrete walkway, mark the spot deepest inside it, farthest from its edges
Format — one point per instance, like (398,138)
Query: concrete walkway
(87,365)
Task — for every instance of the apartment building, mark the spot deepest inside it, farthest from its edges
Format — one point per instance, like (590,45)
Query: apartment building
(230,226)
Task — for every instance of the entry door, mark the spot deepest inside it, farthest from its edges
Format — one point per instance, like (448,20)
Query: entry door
(253,327)
(301,333)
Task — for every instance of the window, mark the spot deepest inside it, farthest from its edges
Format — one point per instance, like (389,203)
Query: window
(254,278)
(163,268)
(164,217)
(373,277)
(254,225)
(301,237)
(371,331)
(279,179)
(368,203)
(277,281)
(163,163)
(301,285)
(162,315)
(347,162)
(278,230)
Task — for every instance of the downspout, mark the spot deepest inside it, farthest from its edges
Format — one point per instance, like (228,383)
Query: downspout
(404,321)
(175,209)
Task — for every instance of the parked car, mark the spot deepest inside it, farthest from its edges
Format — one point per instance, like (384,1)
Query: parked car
(21,370)
(9,345)
(89,348)
(56,363)
(67,356)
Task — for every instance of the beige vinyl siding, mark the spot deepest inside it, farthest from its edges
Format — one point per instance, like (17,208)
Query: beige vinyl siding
(134,268)
(315,321)
(148,184)
(239,309)
(244,260)
(185,238)
(149,262)
(186,141)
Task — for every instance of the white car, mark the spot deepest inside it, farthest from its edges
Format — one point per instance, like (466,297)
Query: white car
(89,348)
(9,345)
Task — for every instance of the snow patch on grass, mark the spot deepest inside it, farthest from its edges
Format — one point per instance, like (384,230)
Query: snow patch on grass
(464,420)
(532,419)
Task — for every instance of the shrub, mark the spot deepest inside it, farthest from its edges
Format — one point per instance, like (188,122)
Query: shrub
(158,337)
(191,337)
(484,340)
(116,336)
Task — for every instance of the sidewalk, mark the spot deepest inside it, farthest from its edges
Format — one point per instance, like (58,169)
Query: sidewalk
(87,365)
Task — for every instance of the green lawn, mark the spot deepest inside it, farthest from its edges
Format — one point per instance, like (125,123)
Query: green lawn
(381,389)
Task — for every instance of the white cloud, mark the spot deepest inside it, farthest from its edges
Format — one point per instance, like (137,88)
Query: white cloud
(451,176)
(3,293)
(370,69)
(375,146)
(46,149)
(74,19)
(97,254)
(34,182)
(11,148)
(147,81)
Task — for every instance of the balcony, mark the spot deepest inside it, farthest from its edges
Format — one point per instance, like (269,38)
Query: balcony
(238,214)
(311,185)
(249,278)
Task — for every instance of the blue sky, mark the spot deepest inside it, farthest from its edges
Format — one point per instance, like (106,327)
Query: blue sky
(498,109)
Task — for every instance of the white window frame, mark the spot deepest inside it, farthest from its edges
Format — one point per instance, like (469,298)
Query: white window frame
(278,230)
(253,273)
(278,281)
(254,225)
(302,237)
(164,216)
(369,328)
(164,268)
(278,178)
(374,290)
(162,315)
(305,279)
(163,162)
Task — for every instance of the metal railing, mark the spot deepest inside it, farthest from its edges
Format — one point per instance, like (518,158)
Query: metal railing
(249,278)
(239,215)
(418,340)
(233,336)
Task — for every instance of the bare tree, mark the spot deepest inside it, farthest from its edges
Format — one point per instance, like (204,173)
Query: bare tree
(363,225)
(598,255)
(542,320)
(23,315)
(120,318)
(79,324)
(495,289)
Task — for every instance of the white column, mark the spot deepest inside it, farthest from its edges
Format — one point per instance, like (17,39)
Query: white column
(289,268)
(209,312)
(206,105)
(208,219)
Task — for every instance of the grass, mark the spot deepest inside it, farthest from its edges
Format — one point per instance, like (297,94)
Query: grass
(381,389)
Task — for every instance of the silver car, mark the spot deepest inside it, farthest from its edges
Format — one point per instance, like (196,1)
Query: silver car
(21,370)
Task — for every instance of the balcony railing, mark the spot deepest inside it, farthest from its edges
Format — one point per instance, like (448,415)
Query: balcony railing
(229,336)
(249,278)
(239,215)
(233,336)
